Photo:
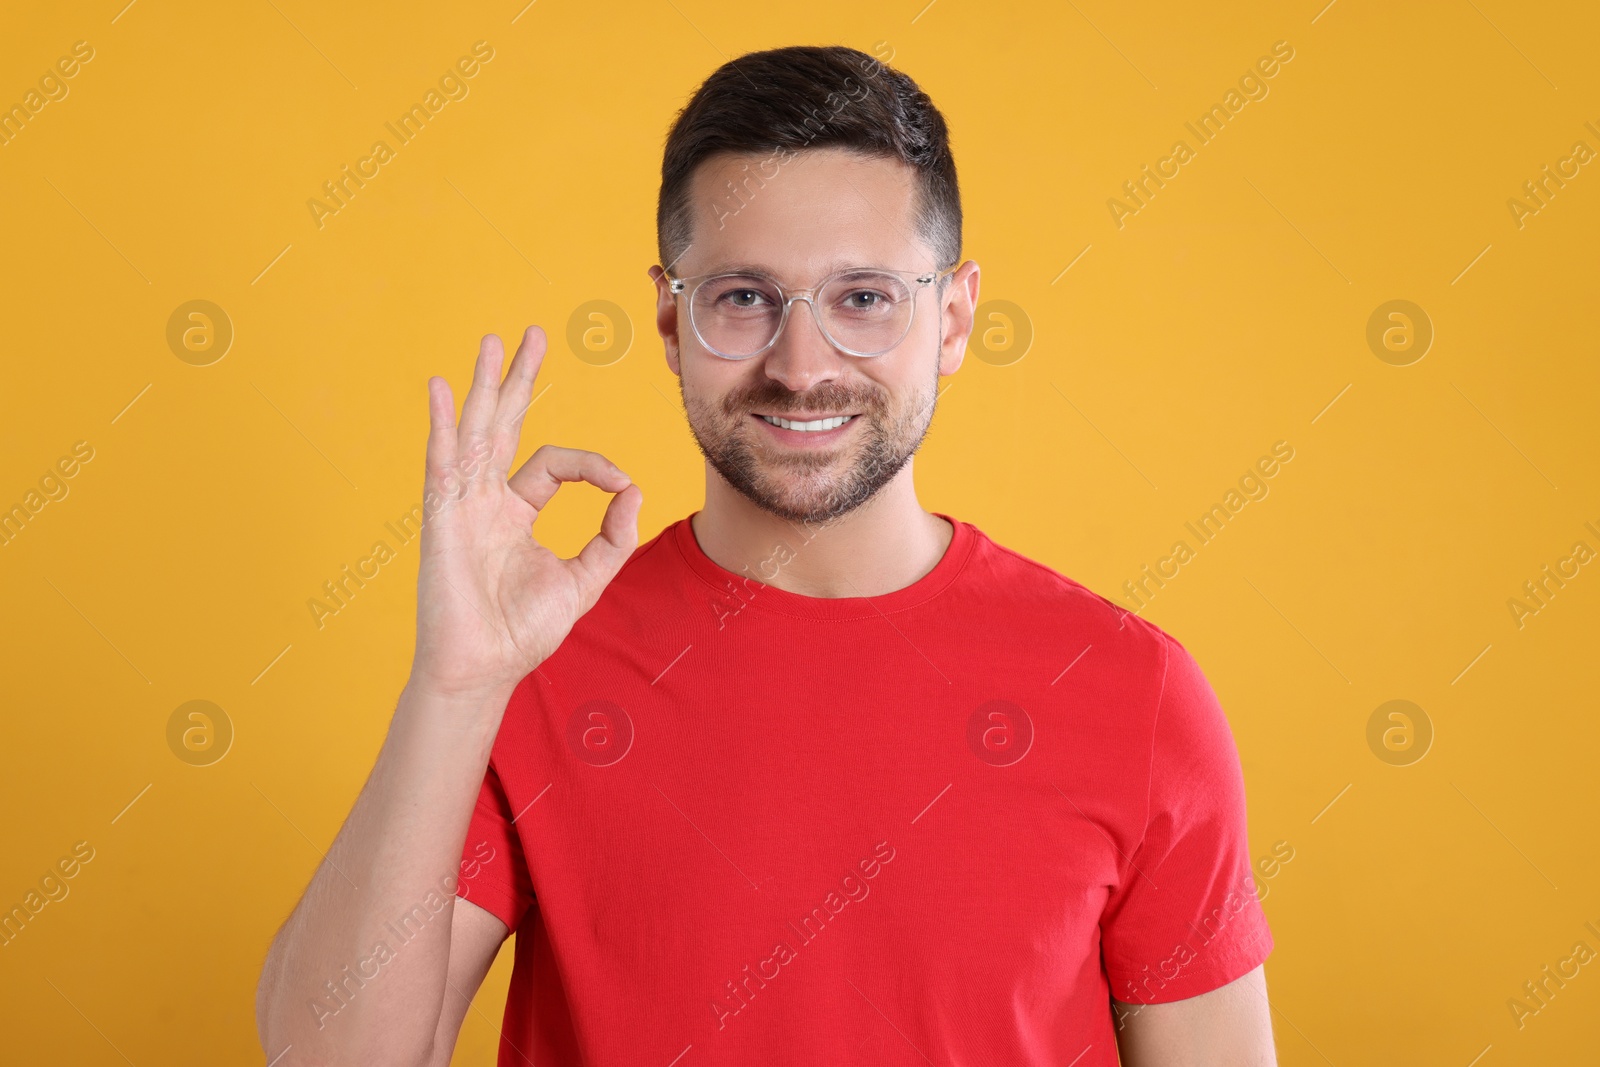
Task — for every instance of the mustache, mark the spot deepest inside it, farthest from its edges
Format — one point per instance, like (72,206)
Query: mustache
(775,398)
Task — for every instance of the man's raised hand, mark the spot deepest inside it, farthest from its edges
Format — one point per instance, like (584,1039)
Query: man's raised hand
(493,603)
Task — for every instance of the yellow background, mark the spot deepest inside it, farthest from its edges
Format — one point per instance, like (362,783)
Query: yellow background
(1227,314)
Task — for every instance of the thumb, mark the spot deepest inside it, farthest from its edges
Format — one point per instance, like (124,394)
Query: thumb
(608,550)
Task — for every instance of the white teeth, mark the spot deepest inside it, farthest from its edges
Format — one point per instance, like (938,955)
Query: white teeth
(815,424)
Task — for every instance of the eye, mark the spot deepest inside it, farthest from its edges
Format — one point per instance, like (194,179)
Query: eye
(744,298)
(866,293)
(868,302)
(735,293)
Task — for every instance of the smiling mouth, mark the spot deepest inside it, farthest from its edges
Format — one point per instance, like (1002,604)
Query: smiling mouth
(807,425)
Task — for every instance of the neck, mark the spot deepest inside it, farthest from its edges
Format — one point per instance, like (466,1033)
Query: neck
(885,544)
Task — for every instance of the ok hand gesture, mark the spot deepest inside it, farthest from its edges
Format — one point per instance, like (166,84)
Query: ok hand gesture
(493,603)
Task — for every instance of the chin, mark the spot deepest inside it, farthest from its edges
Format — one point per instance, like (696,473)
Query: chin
(792,504)
(811,501)
(806,487)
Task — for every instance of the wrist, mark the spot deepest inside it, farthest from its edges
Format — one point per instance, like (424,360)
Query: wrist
(476,701)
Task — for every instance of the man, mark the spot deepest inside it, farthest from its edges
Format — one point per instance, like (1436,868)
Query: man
(814,776)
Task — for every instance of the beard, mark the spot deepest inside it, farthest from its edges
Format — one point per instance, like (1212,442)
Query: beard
(810,487)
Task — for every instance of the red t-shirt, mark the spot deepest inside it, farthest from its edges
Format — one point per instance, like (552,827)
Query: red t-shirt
(730,824)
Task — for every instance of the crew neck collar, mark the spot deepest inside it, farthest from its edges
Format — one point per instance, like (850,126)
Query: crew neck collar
(763,597)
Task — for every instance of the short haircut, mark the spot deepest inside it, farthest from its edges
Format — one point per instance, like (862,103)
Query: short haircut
(786,99)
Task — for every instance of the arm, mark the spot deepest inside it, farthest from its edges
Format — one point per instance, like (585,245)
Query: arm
(475,939)
(362,969)
(420,793)
(1185,928)
(1231,1026)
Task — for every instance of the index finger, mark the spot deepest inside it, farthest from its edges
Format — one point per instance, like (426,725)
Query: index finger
(537,480)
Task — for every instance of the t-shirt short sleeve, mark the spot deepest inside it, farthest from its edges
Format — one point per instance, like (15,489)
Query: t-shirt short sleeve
(1185,919)
(494,872)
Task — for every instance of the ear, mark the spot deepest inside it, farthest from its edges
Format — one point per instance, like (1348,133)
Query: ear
(666,317)
(957,310)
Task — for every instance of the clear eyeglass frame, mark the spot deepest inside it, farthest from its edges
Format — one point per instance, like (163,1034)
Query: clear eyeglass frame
(690,284)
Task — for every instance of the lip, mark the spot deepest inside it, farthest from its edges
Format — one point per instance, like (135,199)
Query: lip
(802,417)
(806,438)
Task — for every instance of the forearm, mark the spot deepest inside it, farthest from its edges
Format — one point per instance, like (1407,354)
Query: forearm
(358,970)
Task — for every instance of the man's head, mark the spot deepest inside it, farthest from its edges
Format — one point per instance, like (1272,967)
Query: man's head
(801,162)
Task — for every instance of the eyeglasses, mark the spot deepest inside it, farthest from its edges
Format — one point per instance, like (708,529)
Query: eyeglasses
(862,311)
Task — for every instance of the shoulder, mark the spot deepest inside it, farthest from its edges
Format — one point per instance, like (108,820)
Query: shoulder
(1042,597)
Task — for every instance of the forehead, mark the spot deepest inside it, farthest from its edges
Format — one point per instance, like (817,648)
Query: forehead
(803,214)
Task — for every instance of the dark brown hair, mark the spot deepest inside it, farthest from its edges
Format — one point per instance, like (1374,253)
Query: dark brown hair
(783,100)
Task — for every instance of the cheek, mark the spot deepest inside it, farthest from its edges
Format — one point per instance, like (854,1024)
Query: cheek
(904,385)
(924,327)
(707,382)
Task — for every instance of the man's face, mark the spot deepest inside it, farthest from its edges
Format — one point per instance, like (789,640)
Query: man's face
(823,210)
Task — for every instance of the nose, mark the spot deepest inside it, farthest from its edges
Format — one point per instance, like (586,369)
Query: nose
(802,356)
